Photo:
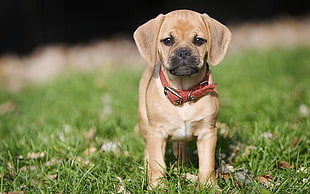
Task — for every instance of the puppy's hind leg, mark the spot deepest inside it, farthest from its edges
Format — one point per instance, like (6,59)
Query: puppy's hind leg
(180,152)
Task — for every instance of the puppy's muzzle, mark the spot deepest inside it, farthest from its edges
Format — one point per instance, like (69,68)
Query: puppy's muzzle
(183,63)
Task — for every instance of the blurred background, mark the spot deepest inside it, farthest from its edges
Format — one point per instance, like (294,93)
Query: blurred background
(39,37)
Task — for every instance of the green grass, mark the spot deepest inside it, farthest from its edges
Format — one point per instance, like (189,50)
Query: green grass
(261,93)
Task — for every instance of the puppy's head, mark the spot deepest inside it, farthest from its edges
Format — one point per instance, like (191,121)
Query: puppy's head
(182,41)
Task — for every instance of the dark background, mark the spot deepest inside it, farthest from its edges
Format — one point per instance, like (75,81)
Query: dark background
(26,24)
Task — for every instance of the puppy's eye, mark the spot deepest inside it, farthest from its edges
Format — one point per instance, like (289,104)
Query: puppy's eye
(199,41)
(168,41)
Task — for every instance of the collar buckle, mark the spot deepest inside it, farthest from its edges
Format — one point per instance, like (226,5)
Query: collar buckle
(177,101)
(204,82)
(190,97)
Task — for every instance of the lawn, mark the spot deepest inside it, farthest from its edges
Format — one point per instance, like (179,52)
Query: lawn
(77,133)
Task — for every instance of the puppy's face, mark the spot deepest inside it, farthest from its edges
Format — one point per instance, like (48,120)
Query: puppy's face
(183,43)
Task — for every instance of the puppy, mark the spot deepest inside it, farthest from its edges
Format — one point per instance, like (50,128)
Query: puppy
(178,100)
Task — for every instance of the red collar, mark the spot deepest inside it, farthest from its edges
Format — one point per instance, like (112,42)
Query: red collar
(178,97)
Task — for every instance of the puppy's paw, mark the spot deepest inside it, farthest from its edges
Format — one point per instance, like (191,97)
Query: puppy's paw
(158,183)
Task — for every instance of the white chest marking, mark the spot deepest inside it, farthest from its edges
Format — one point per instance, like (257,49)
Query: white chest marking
(183,133)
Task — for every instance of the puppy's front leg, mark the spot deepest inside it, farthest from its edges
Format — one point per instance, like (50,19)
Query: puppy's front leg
(156,146)
(206,150)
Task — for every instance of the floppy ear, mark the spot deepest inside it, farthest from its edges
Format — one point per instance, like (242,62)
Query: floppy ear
(219,38)
(146,39)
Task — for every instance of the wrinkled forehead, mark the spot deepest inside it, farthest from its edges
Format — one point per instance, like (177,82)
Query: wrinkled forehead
(183,24)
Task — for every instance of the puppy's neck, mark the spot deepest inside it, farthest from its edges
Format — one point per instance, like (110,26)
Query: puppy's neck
(184,82)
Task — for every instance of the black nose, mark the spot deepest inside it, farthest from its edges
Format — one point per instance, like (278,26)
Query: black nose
(183,53)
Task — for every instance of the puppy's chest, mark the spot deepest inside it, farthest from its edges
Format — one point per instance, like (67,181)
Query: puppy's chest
(184,132)
(185,125)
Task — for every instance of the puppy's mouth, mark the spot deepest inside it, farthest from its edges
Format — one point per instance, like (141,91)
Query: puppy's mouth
(181,67)
(184,71)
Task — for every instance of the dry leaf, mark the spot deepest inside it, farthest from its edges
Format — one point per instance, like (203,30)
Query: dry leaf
(24,168)
(126,153)
(28,168)
(35,181)
(225,176)
(224,130)
(230,168)
(10,169)
(20,157)
(110,147)
(268,135)
(244,176)
(33,155)
(121,187)
(67,128)
(190,177)
(51,177)
(84,163)
(235,149)
(302,170)
(247,150)
(266,180)
(90,134)
(7,107)
(225,168)
(89,151)
(62,137)
(15,192)
(282,164)
(294,142)
(52,162)
(222,156)
(237,184)
(303,110)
